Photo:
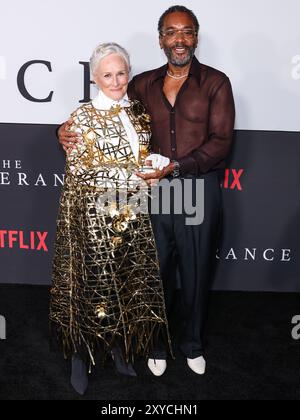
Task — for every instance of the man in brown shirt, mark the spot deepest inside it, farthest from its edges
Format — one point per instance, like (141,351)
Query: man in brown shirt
(192,111)
(192,117)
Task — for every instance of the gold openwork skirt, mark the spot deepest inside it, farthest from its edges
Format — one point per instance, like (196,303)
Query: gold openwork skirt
(106,288)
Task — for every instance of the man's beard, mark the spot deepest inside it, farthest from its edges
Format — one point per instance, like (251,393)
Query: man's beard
(177,61)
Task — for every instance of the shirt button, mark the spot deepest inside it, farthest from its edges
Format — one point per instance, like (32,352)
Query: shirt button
(172,131)
(173,149)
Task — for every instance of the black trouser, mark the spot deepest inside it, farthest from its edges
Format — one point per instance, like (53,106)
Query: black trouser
(191,250)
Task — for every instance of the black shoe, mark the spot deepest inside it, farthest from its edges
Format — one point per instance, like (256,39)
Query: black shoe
(79,377)
(120,363)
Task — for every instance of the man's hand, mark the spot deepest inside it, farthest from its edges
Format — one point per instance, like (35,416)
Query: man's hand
(67,138)
(154,177)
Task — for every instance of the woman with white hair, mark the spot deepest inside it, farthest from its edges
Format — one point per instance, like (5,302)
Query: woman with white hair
(107,295)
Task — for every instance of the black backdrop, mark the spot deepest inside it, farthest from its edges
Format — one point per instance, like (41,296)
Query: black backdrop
(260,245)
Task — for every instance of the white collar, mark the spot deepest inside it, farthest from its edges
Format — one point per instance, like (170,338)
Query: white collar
(103,102)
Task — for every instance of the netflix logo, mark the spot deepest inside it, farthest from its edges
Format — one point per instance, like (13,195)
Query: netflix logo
(233,179)
(19,239)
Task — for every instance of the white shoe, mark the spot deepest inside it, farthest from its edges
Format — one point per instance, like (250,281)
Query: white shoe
(157,367)
(197,365)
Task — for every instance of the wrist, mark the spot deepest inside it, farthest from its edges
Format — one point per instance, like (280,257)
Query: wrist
(176,169)
(169,169)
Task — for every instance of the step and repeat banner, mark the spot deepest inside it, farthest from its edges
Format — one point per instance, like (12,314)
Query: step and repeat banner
(44,76)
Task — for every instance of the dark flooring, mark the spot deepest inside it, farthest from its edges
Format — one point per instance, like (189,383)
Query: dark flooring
(250,354)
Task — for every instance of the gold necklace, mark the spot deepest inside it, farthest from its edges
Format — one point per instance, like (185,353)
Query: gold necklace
(176,77)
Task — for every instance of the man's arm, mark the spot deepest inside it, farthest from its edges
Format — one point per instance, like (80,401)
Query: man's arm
(67,138)
(220,132)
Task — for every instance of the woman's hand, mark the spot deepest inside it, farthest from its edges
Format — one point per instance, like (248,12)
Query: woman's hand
(158,161)
(68,139)
(154,177)
(161,168)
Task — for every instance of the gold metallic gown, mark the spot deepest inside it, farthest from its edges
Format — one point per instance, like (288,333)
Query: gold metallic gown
(106,285)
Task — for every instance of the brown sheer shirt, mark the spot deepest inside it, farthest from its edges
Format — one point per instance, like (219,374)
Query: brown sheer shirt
(197,131)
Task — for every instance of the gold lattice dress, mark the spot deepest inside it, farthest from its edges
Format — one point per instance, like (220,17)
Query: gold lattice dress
(106,285)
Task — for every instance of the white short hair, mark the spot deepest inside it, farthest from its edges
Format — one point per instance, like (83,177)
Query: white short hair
(103,50)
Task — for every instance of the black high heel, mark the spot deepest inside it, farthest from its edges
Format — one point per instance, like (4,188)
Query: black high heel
(79,376)
(120,363)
